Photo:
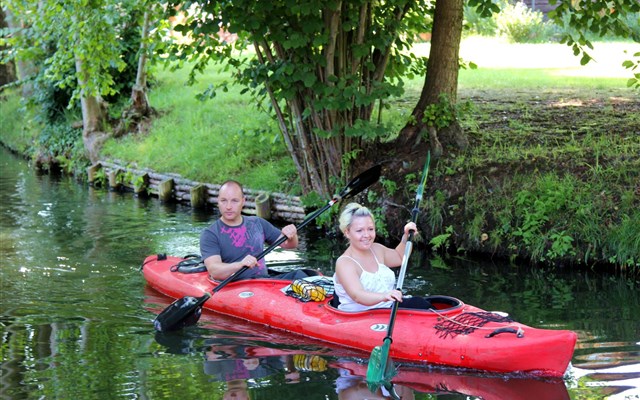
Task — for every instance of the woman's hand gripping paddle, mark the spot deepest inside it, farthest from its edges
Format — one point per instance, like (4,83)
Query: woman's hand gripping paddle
(186,311)
(381,369)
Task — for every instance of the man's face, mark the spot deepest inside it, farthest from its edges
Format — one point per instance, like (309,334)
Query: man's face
(230,203)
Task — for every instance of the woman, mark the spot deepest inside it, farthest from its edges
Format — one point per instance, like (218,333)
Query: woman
(363,278)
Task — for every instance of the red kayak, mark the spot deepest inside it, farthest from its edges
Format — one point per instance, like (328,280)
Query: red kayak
(452,334)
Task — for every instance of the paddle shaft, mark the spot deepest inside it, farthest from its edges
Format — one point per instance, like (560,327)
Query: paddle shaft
(408,249)
(403,269)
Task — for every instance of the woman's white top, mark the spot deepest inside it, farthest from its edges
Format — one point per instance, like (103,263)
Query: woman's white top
(381,281)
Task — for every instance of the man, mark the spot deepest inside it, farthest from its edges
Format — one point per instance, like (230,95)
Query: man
(234,240)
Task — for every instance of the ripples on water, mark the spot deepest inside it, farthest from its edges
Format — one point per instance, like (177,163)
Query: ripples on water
(76,317)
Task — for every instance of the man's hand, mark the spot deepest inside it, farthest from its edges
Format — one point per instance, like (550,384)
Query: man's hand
(249,261)
(290,231)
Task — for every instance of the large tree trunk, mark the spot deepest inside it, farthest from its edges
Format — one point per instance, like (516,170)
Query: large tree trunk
(441,79)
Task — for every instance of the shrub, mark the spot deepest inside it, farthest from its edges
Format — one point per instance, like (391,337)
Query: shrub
(519,24)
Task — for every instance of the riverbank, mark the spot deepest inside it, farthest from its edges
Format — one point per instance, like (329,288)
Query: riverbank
(552,174)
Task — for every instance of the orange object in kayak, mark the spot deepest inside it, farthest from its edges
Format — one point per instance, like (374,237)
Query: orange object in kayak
(451,334)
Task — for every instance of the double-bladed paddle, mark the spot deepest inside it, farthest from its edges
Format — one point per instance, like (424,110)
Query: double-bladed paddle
(381,369)
(186,311)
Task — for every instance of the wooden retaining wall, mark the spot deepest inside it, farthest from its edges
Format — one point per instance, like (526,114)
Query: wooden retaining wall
(173,187)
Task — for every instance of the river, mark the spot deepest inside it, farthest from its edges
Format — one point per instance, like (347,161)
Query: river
(76,316)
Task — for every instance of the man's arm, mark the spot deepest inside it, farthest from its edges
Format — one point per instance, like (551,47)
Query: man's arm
(219,270)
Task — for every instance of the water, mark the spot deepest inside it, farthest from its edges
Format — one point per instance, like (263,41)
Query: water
(76,317)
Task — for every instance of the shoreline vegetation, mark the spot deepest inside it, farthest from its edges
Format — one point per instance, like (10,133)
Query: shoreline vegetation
(551,176)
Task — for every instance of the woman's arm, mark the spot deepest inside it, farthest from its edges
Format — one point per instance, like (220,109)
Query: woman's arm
(393,257)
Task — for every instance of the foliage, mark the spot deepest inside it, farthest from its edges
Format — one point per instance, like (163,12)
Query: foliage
(79,31)
(443,241)
(323,66)
(84,48)
(444,113)
(520,24)
(534,210)
(633,65)
(598,17)
(59,141)
(17,128)
(481,20)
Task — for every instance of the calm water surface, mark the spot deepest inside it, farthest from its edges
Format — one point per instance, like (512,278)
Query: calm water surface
(76,317)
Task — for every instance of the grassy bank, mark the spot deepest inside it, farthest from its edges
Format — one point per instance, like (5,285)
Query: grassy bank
(208,141)
(552,173)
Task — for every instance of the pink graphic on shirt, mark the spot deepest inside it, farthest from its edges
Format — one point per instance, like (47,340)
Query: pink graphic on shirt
(238,235)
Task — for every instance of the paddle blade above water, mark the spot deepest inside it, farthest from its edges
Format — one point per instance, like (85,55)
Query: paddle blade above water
(361,182)
(381,368)
(181,313)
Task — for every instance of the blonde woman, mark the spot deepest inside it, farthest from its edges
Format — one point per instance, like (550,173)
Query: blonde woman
(363,277)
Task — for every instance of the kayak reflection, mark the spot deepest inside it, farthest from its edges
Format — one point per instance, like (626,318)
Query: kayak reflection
(499,387)
(240,373)
(238,367)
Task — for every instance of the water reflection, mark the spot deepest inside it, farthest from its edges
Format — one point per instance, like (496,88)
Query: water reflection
(250,361)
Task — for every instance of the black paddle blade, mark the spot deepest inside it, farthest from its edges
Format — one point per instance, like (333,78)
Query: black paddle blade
(181,313)
(361,182)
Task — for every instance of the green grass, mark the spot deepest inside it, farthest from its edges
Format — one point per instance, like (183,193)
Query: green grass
(532,78)
(227,137)
(208,141)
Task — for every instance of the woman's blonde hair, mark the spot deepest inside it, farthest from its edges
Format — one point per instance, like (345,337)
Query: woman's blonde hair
(351,211)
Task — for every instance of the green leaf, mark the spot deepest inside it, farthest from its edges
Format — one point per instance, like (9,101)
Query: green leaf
(585,59)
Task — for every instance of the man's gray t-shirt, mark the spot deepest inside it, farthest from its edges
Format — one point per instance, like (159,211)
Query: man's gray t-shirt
(233,243)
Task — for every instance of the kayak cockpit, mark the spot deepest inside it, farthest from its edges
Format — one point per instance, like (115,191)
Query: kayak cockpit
(439,303)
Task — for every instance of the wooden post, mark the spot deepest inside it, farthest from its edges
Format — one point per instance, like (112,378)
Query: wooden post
(140,184)
(263,205)
(92,172)
(198,196)
(165,190)
(114,178)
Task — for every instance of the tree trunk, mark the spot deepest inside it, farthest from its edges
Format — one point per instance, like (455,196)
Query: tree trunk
(139,100)
(7,70)
(25,69)
(93,117)
(441,79)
